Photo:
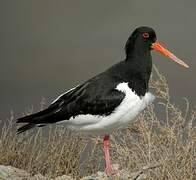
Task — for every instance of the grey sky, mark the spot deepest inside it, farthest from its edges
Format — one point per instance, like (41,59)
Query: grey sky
(48,46)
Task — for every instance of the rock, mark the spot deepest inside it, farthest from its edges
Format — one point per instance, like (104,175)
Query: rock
(64,177)
(38,177)
(11,173)
(98,176)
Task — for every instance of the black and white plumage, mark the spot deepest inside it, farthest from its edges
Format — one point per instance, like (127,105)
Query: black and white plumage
(109,100)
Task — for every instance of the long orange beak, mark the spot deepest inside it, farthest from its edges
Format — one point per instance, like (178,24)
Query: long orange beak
(158,47)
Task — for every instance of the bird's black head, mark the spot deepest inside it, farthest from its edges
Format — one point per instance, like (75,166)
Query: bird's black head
(140,40)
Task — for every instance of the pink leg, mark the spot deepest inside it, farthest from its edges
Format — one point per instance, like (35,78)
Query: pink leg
(108,167)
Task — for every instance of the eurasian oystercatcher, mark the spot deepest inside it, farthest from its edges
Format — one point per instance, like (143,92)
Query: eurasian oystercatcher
(109,100)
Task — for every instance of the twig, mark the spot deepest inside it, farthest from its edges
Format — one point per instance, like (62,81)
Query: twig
(139,174)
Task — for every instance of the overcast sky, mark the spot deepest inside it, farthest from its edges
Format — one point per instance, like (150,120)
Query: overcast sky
(47,46)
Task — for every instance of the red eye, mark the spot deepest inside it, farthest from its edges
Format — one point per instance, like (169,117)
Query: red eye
(145,35)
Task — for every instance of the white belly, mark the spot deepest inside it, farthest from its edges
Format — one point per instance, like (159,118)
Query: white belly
(126,112)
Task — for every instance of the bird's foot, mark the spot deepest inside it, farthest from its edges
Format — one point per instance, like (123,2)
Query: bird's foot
(112,171)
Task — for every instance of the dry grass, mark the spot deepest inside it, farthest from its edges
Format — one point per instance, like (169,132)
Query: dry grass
(168,140)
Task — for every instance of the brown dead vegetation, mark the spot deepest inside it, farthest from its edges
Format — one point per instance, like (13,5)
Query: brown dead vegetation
(168,141)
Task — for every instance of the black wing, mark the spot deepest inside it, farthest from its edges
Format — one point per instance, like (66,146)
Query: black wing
(93,97)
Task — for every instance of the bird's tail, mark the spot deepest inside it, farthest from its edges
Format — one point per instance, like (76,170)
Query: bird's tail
(25,127)
(39,119)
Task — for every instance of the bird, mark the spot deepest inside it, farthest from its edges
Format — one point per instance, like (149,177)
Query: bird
(110,100)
